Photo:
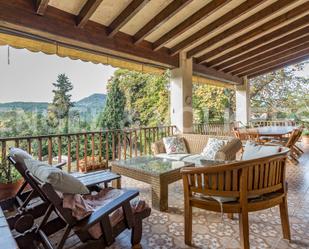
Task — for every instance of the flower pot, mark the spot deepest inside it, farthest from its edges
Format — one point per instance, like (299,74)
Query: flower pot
(305,139)
(8,190)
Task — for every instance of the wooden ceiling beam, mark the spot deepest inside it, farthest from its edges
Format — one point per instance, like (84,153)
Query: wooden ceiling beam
(279,66)
(41,6)
(188,23)
(295,25)
(291,54)
(159,19)
(290,15)
(210,28)
(86,12)
(216,75)
(126,15)
(247,23)
(59,26)
(271,45)
(261,57)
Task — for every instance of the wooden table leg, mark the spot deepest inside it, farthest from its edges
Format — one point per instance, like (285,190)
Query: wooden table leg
(159,194)
(116,183)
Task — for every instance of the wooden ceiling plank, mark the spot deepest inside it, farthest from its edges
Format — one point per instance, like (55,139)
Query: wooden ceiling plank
(299,23)
(41,6)
(159,19)
(188,23)
(281,41)
(248,22)
(86,12)
(261,57)
(125,16)
(290,15)
(210,28)
(286,55)
(279,66)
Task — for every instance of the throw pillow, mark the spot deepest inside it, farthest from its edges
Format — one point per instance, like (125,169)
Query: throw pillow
(254,151)
(212,147)
(60,180)
(174,145)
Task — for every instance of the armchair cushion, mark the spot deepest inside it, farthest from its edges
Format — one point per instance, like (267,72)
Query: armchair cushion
(253,150)
(19,155)
(60,180)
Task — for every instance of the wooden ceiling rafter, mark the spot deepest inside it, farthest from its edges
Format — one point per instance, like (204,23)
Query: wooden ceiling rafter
(171,9)
(86,12)
(279,66)
(188,23)
(271,45)
(41,6)
(295,25)
(275,60)
(269,53)
(126,15)
(290,15)
(216,24)
(59,26)
(244,24)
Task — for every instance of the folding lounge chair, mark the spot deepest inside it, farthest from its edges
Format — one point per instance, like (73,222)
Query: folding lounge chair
(101,216)
(23,198)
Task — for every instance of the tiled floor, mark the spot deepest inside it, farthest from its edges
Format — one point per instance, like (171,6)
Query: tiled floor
(210,230)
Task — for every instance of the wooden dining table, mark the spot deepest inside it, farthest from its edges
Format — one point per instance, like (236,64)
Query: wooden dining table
(275,131)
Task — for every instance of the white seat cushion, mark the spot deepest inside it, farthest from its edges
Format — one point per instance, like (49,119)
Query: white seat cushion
(254,151)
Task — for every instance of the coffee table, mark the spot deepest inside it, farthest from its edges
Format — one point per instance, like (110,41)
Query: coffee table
(157,172)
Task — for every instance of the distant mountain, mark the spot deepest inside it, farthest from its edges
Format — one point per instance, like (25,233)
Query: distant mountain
(93,104)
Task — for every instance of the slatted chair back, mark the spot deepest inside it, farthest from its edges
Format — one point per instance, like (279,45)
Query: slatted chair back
(242,179)
(296,133)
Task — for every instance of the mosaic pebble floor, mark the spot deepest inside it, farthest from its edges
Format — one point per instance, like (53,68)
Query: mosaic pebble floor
(165,230)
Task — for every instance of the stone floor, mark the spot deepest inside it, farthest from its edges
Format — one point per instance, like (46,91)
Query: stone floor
(164,230)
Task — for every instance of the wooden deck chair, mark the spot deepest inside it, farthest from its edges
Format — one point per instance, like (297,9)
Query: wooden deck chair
(101,216)
(23,198)
(239,187)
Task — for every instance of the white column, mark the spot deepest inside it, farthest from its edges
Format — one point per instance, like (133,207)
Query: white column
(243,102)
(181,95)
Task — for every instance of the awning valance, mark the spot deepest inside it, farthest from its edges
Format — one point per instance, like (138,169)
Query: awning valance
(49,47)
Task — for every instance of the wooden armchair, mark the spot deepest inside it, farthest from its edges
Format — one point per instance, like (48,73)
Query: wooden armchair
(254,184)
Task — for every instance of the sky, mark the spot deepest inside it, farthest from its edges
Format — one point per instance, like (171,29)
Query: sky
(29,76)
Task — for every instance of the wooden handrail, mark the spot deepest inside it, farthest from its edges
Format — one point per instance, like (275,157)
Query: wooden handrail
(88,150)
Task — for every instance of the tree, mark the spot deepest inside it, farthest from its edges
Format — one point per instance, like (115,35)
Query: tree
(113,115)
(59,109)
(281,94)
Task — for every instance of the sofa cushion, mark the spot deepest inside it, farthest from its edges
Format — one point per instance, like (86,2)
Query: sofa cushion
(60,180)
(178,157)
(174,145)
(212,147)
(254,151)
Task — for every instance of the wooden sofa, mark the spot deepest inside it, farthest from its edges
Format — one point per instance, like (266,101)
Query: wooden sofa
(195,144)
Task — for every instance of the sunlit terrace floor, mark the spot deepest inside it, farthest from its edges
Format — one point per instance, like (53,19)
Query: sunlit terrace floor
(165,230)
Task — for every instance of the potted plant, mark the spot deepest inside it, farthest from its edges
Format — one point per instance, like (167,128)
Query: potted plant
(10,181)
(305,136)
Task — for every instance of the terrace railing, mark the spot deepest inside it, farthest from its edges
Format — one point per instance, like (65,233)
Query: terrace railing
(216,129)
(88,150)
